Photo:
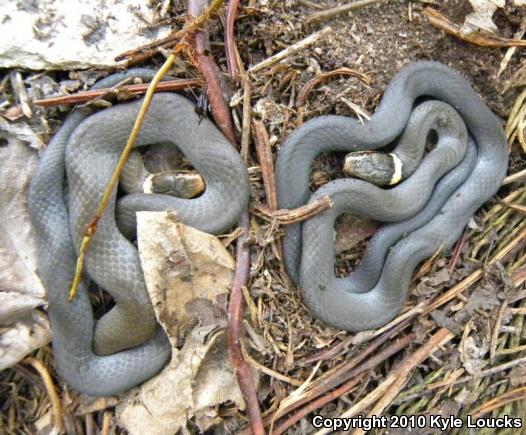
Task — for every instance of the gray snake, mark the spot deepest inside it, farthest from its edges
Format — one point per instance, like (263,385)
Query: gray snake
(126,346)
(423,219)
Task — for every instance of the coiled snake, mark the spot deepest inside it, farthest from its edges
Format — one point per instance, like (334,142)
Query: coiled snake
(126,346)
(429,218)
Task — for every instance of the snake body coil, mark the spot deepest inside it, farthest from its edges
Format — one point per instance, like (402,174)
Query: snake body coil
(126,346)
(428,218)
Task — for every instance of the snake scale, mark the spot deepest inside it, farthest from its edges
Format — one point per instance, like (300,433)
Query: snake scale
(435,223)
(126,346)
(427,211)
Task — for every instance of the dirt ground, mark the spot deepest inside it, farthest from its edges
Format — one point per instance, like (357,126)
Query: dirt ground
(487,318)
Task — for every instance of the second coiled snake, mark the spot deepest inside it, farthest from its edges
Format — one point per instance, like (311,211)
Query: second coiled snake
(376,294)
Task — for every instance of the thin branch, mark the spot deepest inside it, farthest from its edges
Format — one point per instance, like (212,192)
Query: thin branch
(309,40)
(329,13)
(92,227)
(288,217)
(106,423)
(517,207)
(136,89)
(236,303)
(235,316)
(347,370)
(457,252)
(332,352)
(518,176)
(498,402)
(264,153)
(318,403)
(56,405)
(95,94)
(247,116)
(232,55)
(478,38)
(307,87)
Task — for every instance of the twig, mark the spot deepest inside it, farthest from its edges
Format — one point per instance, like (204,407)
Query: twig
(136,89)
(106,422)
(92,227)
(56,405)
(316,404)
(330,353)
(307,87)
(235,315)
(89,96)
(270,372)
(478,38)
(212,76)
(518,176)
(288,217)
(236,303)
(290,50)
(310,4)
(264,153)
(457,252)
(511,350)
(365,336)
(21,93)
(340,10)
(517,207)
(520,362)
(497,402)
(89,425)
(247,116)
(511,51)
(496,329)
(428,389)
(233,60)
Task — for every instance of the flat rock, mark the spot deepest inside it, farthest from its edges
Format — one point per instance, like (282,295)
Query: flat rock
(73,34)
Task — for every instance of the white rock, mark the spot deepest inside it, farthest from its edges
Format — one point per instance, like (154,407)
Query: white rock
(72,34)
(481,17)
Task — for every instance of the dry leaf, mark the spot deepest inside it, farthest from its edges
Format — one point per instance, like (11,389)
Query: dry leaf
(23,337)
(351,230)
(188,274)
(20,289)
(472,355)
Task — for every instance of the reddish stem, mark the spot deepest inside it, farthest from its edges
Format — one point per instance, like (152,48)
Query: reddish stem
(235,317)
(230,43)
(216,91)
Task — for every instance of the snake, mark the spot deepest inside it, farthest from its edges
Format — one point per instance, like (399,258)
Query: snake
(423,214)
(126,346)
